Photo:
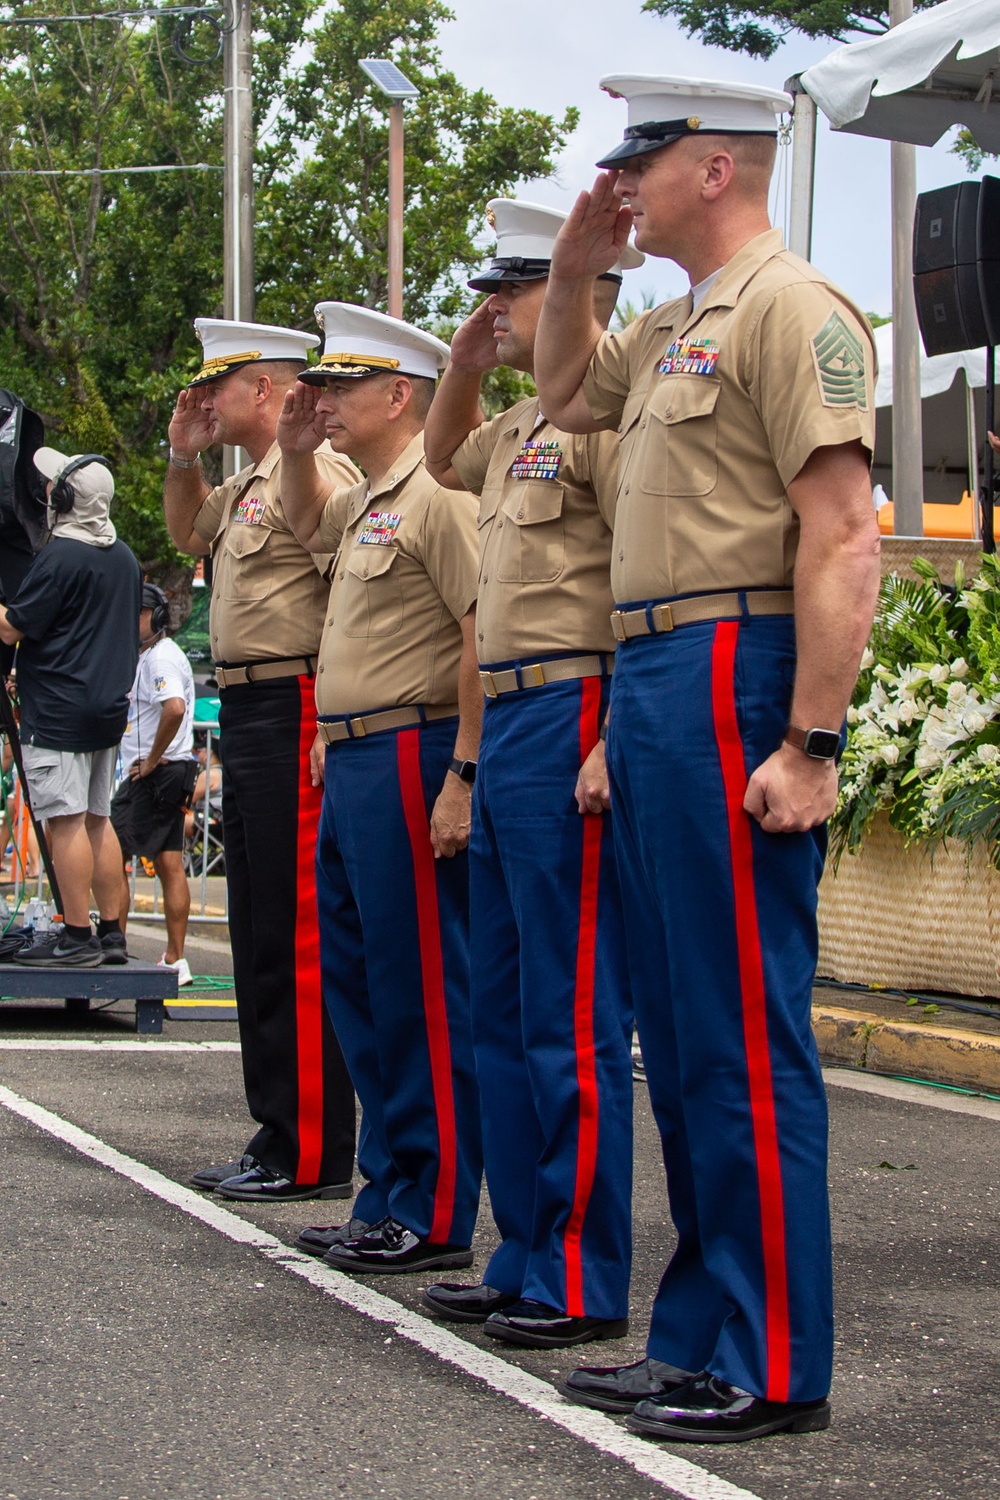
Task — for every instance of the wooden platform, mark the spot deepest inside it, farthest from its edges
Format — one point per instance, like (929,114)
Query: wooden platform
(147,984)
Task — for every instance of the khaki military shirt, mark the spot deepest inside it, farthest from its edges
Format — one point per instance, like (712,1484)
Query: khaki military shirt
(268,592)
(402,580)
(545,519)
(718,410)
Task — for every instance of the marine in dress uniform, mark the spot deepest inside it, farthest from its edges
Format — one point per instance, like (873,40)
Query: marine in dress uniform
(399,705)
(552,1014)
(268,605)
(745,416)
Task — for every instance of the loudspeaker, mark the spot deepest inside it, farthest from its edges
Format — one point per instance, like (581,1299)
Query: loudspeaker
(956,266)
(155,599)
(62,496)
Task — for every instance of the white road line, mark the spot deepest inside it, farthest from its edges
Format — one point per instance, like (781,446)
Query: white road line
(682,1478)
(913,1093)
(73,1044)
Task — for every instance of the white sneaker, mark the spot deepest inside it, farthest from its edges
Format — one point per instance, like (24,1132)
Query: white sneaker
(181,968)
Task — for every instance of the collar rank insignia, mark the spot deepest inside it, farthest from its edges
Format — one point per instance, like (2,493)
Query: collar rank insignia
(537,461)
(690,357)
(378,528)
(250,511)
(840,364)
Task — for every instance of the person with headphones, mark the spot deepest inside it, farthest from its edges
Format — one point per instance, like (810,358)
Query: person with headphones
(74,622)
(158,771)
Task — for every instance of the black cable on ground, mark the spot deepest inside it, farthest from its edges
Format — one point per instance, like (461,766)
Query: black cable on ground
(944,1001)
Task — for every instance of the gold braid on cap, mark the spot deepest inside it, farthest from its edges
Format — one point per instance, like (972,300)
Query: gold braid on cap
(224,362)
(353,364)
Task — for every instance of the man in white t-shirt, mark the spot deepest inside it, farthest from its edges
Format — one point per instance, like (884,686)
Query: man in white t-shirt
(158,771)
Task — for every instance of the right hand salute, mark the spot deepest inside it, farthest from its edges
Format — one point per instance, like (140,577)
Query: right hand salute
(189,432)
(473,348)
(595,232)
(300,427)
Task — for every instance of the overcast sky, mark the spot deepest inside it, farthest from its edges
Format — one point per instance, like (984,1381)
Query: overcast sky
(548,54)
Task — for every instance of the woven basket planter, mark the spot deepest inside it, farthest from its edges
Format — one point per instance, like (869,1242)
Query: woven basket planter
(917,918)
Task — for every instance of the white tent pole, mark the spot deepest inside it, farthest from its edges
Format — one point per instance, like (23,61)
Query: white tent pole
(907,437)
(803,170)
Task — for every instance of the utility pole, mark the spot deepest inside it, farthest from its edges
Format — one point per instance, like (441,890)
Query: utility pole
(907,416)
(237,198)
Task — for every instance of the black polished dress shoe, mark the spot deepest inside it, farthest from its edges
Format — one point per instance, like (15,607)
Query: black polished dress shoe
(210,1177)
(622,1387)
(542,1327)
(317,1241)
(389,1246)
(465,1304)
(710,1410)
(260,1184)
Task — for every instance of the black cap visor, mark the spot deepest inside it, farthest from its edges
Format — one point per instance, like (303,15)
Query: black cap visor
(509,268)
(652,134)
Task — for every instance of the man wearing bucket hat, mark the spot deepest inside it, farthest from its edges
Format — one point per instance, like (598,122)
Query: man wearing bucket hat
(552,1015)
(399,703)
(745,572)
(76,617)
(268,603)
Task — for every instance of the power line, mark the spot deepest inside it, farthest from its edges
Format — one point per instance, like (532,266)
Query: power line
(108,15)
(102,171)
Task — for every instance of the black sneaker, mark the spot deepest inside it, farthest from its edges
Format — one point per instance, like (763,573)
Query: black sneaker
(113,949)
(58,950)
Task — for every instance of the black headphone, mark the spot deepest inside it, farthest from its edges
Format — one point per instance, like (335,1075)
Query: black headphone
(155,599)
(62,496)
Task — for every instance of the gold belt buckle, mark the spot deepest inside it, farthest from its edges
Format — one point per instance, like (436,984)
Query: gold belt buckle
(533,676)
(618,625)
(489,686)
(664,617)
(358,730)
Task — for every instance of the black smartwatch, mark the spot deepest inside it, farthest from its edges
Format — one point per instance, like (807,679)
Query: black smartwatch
(820,744)
(465,770)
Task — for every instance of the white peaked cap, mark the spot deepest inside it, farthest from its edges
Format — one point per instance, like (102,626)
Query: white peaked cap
(525,234)
(663,109)
(360,341)
(228,345)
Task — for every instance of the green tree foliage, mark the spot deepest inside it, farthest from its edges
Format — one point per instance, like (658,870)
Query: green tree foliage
(759,30)
(101,276)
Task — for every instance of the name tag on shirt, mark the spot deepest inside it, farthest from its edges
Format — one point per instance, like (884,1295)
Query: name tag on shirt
(537,461)
(379,528)
(250,511)
(690,357)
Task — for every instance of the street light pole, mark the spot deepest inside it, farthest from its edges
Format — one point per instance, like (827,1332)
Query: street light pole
(387,77)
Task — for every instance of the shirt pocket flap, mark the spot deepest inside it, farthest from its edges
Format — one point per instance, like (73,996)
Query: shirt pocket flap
(680,400)
(244,541)
(532,501)
(370,562)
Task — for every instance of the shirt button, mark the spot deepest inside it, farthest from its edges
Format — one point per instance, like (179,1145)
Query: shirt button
(626,489)
(668,413)
(322,669)
(643,422)
(480,635)
(499,526)
(621,557)
(520,515)
(365,573)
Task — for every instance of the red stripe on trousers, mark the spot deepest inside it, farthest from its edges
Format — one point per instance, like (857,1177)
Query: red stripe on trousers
(751,973)
(583,1015)
(308,987)
(432,974)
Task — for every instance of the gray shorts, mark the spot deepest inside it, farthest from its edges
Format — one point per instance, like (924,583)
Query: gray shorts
(64,782)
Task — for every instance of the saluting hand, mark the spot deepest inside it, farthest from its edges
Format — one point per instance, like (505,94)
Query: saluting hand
(593,794)
(189,432)
(790,792)
(473,347)
(300,427)
(595,232)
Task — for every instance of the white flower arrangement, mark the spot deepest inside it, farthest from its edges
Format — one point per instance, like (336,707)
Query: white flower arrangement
(924,726)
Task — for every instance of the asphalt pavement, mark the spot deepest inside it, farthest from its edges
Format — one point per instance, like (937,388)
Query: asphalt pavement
(159,1343)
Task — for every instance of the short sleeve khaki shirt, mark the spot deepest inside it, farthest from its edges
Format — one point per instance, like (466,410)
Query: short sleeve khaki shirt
(545,518)
(718,410)
(268,593)
(403,579)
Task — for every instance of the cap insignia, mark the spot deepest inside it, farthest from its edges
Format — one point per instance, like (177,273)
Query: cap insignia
(693,122)
(491,218)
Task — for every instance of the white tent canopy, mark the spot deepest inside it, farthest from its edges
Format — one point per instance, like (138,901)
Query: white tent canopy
(914,83)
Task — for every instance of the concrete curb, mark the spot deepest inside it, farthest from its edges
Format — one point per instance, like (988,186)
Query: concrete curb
(967,1059)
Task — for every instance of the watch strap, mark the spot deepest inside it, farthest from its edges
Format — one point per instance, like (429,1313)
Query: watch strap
(465,770)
